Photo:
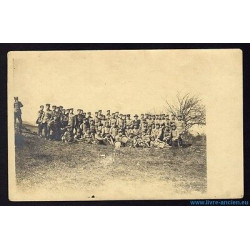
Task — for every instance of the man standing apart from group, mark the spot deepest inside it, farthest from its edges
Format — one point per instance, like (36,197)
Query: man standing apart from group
(18,113)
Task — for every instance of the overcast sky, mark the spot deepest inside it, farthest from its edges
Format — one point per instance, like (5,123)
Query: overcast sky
(126,81)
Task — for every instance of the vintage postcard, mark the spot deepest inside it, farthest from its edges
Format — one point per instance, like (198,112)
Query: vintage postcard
(125,124)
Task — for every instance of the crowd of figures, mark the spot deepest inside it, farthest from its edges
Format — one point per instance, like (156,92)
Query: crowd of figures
(148,130)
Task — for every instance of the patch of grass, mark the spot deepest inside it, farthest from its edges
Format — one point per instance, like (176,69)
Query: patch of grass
(58,166)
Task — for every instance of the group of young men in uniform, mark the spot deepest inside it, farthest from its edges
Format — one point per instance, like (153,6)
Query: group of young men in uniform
(145,131)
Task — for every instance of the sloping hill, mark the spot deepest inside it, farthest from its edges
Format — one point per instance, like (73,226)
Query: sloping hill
(52,169)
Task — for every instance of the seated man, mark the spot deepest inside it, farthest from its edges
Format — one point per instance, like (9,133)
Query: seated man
(118,137)
(114,131)
(88,137)
(78,136)
(167,136)
(139,141)
(106,133)
(146,139)
(99,138)
(156,143)
(68,135)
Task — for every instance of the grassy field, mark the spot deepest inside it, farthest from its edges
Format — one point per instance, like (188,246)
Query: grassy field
(53,169)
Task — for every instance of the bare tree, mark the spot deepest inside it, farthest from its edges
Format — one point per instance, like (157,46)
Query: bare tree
(190,107)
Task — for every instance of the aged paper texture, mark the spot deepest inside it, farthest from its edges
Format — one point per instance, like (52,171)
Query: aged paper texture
(125,125)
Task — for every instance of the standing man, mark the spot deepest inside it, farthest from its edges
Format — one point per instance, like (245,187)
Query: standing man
(78,121)
(71,121)
(108,116)
(136,122)
(46,121)
(39,120)
(18,113)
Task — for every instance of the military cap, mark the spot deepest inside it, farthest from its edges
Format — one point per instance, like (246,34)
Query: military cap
(48,105)
(61,107)
(78,110)
(108,110)
(135,115)
(128,115)
(96,112)
(41,106)
(117,112)
(53,106)
(89,113)
(99,110)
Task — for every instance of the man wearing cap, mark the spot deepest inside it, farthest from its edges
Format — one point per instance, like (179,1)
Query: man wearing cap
(53,110)
(136,122)
(65,118)
(18,113)
(79,121)
(56,126)
(158,132)
(113,120)
(46,120)
(180,127)
(116,115)
(71,122)
(96,118)
(180,123)
(99,138)
(118,137)
(100,114)
(120,121)
(92,128)
(143,125)
(39,120)
(128,121)
(68,135)
(142,117)
(60,110)
(149,120)
(62,113)
(89,117)
(167,135)
(108,116)
(114,131)
(175,134)
(167,121)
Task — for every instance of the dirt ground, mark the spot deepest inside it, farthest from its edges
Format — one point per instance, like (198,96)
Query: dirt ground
(53,169)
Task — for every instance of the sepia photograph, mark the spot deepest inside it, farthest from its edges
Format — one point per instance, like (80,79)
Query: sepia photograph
(120,124)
